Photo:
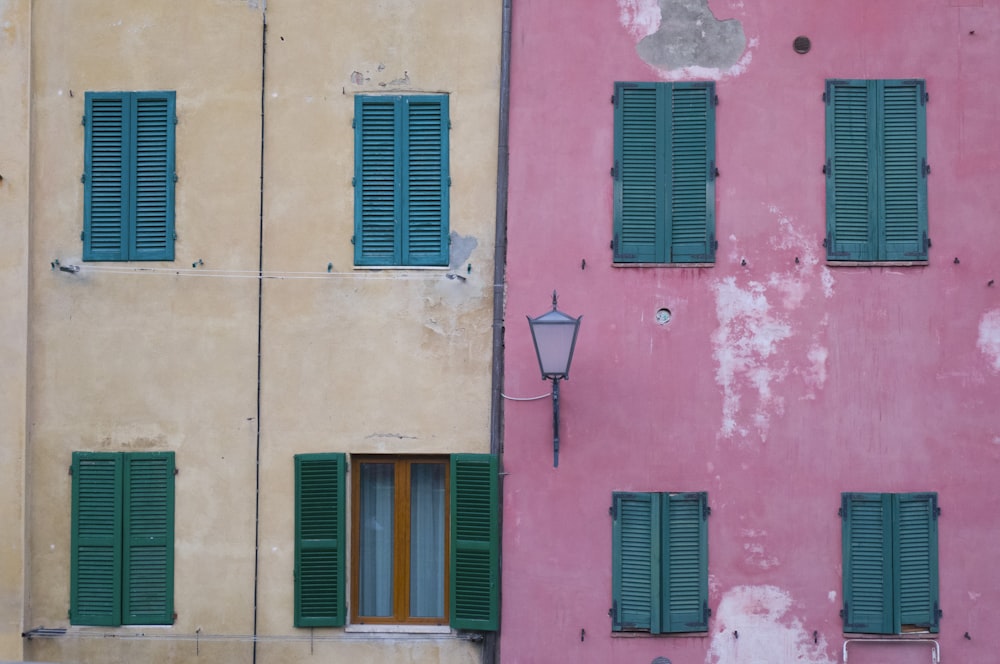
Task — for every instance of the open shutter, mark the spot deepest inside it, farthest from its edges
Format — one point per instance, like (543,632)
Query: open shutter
(639,169)
(107,165)
(685,562)
(425,180)
(916,559)
(850,171)
(377,181)
(148,536)
(151,215)
(867,559)
(903,148)
(96,546)
(319,540)
(691,173)
(635,577)
(475,542)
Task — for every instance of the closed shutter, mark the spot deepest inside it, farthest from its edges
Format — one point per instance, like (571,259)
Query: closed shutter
(691,173)
(425,180)
(148,537)
(152,206)
(635,562)
(640,204)
(867,559)
(378,186)
(850,171)
(319,540)
(917,560)
(475,543)
(685,562)
(106,178)
(96,545)
(903,213)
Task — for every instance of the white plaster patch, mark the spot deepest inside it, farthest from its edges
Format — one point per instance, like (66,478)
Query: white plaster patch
(748,334)
(713,73)
(832,596)
(815,374)
(974,595)
(989,337)
(766,632)
(640,17)
(826,278)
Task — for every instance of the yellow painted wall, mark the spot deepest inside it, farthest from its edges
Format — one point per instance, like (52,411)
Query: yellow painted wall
(356,361)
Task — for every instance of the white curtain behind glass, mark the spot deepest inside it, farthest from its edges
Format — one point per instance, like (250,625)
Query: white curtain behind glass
(427,540)
(375,567)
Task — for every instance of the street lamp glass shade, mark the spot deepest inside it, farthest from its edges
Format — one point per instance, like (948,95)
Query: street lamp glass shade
(554,334)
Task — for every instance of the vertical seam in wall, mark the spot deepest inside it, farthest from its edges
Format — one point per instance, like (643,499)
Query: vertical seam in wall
(260,306)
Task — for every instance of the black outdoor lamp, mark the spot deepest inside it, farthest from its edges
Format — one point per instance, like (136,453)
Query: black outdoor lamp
(554,334)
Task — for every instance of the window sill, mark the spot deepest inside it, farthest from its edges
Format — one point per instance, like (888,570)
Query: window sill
(663,265)
(441,268)
(647,635)
(830,263)
(397,629)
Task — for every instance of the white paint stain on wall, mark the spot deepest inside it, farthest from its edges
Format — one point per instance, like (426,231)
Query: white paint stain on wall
(989,337)
(766,632)
(640,17)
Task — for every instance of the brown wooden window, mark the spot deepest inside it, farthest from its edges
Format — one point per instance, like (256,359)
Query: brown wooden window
(399,540)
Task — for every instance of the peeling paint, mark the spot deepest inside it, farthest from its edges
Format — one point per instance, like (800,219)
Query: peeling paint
(767,633)
(989,337)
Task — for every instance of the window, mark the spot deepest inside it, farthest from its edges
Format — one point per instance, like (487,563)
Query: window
(424,540)
(129,176)
(401,180)
(122,567)
(876,171)
(664,173)
(890,562)
(660,562)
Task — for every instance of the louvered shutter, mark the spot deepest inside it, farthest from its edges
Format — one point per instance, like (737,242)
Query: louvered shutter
(148,536)
(867,560)
(377,181)
(916,560)
(635,578)
(107,165)
(96,545)
(425,180)
(851,171)
(475,543)
(902,217)
(685,562)
(640,202)
(151,214)
(691,173)
(320,545)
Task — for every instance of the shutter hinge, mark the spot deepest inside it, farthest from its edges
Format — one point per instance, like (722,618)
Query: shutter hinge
(938,613)
(826,242)
(70,471)
(449,124)
(926,98)
(612,99)
(927,241)
(175,177)
(925,167)
(713,243)
(614,170)
(83,234)
(174,616)
(843,611)
(613,512)
(937,512)
(715,100)
(449,180)
(175,235)
(828,168)
(177,471)
(713,172)
(352,123)
(354,182)
(706,511)
(707,612)
(83,120)
(824,97)
(83,178)
(175,119)
(352,239)
(842,510)
(613,611)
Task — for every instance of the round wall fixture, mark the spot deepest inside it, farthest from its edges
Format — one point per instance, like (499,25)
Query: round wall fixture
(663,316)
(802,44)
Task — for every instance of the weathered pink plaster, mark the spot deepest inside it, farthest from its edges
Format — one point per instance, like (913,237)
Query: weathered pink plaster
(776,385)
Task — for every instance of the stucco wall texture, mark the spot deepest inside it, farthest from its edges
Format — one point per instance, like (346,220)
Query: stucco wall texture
(780,381)
(164,356)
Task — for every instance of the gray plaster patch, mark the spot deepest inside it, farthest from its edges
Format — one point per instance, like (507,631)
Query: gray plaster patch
(461,249)
(691,36)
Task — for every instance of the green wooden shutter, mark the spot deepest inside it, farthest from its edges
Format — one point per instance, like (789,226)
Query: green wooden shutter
(640,202)
(867,560)
(685,562)
(635,577)
(96,545)
(850,171)
(916,560)
(475,543)
(151,216)
(148,536)
(902,217)
(691,173)
(377,181)
(425,180)
(320,544)
(107,165)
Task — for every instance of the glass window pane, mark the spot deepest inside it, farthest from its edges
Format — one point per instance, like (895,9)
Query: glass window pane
(427,524)
(376,526)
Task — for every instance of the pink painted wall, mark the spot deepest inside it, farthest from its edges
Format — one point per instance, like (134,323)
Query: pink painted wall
(775,386)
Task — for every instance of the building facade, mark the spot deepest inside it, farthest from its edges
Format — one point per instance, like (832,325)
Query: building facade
(248,330)
(778,439)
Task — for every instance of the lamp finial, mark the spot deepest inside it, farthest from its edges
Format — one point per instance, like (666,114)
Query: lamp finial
(554,300)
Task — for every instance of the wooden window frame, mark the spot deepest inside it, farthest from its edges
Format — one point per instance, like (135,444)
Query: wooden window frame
(401,539)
